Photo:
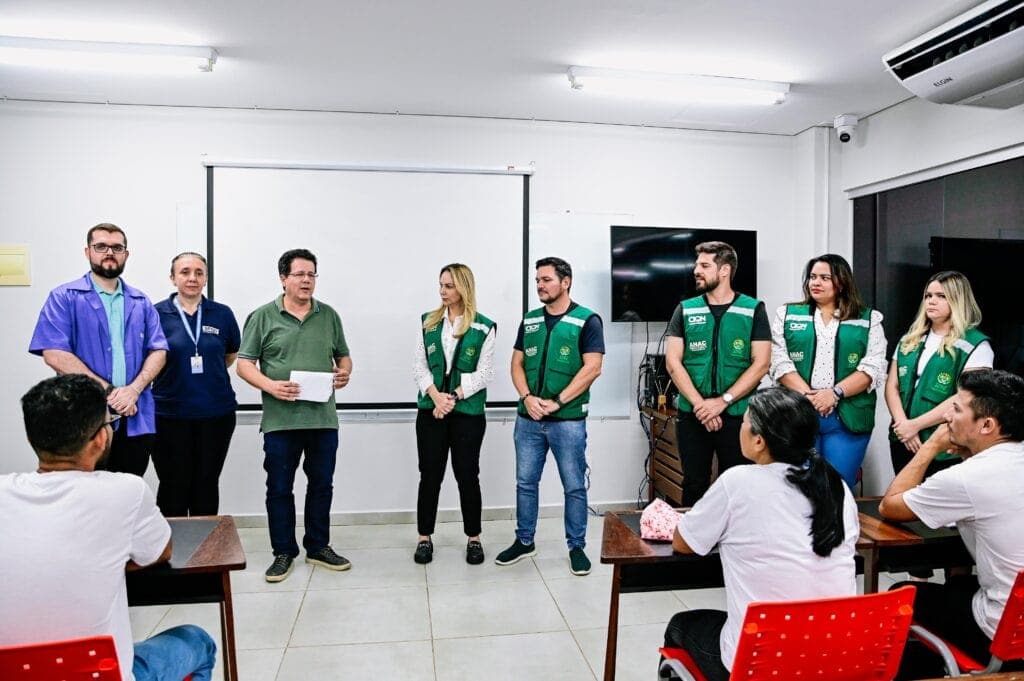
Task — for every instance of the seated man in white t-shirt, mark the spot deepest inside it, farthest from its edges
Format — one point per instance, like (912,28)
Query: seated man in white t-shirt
(70,533)
(984,425)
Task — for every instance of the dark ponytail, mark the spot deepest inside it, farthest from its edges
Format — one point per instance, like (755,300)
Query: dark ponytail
(789,425)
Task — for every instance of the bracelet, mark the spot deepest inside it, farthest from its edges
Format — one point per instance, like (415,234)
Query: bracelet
(523,398)
(129,385)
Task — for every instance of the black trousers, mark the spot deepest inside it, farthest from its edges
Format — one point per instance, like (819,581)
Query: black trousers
(697,448)
(944,609)
(698,632)
(462,434)
(128,454)
(188,457)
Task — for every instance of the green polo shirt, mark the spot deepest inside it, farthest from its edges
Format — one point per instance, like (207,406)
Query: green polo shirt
(282,344)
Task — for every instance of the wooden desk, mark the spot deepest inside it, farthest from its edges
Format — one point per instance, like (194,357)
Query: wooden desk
(205,550)
(639,565)
(898,547)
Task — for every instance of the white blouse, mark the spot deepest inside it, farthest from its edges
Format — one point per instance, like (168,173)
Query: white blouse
(823,374)
(473,382)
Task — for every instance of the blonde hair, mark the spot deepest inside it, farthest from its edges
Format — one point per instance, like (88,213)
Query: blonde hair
(964,313)
(462,277)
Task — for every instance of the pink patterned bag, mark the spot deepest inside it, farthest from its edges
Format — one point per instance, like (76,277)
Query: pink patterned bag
(658,521)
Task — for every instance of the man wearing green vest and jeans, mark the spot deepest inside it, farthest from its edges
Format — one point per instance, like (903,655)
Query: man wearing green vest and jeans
(557,356)
(719,348)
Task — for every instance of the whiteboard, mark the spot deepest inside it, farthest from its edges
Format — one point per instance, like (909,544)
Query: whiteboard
(584,241)
(380,239)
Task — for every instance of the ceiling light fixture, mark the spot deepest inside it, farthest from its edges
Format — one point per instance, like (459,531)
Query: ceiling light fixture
(677,87)
(81,54)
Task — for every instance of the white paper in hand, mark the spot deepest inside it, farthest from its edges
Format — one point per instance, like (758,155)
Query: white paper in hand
(314,386)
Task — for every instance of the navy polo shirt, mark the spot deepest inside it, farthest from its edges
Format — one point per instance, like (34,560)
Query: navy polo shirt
(181,394)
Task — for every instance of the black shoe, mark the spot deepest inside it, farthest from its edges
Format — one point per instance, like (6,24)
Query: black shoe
(280,568)
(516,553)
(579,564)
(474,552)
(326,557)
(424,552)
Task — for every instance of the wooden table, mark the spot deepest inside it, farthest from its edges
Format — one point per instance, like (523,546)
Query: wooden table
(898,547)
(205,549)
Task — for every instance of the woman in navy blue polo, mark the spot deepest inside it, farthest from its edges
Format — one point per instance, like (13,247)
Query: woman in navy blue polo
(195,403)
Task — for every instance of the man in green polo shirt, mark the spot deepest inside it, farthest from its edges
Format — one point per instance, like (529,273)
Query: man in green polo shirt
(295,332)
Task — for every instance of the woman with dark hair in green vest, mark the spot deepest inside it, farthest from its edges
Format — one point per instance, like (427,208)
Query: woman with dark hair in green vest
(831,347)
(454,362)
(942,342)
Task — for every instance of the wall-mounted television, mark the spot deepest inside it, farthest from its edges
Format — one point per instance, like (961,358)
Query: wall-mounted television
(652,268)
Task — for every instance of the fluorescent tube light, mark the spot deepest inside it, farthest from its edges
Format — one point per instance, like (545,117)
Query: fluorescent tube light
(677,87)
(81,54)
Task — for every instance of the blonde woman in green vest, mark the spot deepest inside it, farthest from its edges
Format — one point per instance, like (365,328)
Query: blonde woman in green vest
(831,347)
(454,362)
(942,342)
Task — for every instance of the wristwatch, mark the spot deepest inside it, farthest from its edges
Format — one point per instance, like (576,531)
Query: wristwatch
(728,397)
(558,401)
(840,393)
(455,396)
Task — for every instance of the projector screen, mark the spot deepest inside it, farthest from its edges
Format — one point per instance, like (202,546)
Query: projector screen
(381,238)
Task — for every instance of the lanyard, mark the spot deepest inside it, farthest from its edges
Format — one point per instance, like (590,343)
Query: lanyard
(199,322)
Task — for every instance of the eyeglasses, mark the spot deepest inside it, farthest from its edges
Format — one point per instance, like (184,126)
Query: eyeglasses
(114,421)
(303,275)
(109,248)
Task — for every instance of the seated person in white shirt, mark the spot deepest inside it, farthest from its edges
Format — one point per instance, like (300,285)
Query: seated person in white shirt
(786,528)
(70,533)
(983,496)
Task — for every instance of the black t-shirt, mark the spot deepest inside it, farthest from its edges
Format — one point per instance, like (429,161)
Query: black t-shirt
(591,337)
(761,331)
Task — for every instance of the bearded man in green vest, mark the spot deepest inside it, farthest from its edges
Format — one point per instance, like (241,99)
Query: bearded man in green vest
(557,356)
(719,348)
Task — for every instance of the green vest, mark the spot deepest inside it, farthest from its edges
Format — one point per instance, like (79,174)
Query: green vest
(717,354)
(937,381)
(856,412)
(559,354)
(467,355)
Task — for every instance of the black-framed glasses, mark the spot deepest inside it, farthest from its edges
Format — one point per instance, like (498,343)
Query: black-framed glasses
(113,421)
(303,275)
(108,248)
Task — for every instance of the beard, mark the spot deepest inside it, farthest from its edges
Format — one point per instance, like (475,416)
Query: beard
(107,272)
(705,286)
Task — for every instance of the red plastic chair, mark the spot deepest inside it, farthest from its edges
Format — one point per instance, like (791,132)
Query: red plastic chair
(86,659)
(1007,644)
(89,659)
(840,639)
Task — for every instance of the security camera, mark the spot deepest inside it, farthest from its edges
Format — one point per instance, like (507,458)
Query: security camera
(845,125)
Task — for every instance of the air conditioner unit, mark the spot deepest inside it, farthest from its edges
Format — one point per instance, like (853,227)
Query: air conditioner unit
(977,58)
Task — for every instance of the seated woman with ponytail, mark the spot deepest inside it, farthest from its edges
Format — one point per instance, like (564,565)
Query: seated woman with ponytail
(786,528)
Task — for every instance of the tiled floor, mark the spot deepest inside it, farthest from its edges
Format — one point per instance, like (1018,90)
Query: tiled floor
(388,618)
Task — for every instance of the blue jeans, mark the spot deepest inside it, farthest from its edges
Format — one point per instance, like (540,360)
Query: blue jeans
(283,449)
(568,443)
(841,448)
(174,654)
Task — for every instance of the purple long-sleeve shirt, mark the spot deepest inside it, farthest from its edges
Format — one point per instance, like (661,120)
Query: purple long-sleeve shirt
(73,320)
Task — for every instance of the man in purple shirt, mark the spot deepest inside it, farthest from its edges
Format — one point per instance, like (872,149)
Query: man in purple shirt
(103,328)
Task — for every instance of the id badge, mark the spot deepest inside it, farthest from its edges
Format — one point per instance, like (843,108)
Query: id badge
(197,364)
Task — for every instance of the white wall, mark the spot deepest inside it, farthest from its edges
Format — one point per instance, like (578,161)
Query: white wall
(67,167)
(904,142)
(908,143)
